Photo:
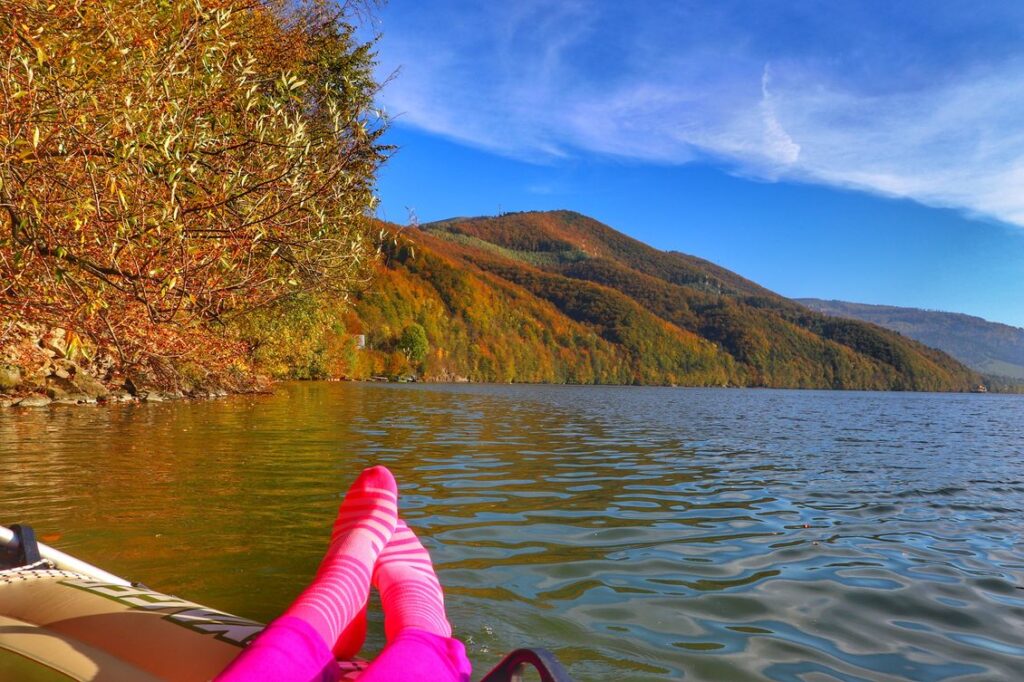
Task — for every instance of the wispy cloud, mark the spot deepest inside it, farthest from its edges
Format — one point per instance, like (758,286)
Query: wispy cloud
(777,142)
(916,101)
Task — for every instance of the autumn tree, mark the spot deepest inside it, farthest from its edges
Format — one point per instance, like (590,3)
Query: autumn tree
(165,166)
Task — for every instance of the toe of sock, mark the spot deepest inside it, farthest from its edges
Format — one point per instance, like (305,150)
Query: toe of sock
(377,477)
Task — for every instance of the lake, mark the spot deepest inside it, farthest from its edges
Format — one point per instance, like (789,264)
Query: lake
(640,533)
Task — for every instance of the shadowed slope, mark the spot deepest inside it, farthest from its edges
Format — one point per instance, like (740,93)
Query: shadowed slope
(982,345)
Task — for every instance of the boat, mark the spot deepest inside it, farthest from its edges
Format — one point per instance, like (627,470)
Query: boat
(62,618)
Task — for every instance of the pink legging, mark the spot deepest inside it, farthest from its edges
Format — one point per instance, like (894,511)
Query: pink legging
(289,649)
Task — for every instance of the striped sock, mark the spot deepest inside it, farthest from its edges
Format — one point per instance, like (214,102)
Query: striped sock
(337,596)
(409,590)
(352,638)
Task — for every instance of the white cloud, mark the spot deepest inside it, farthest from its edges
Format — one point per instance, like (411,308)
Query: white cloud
(960,145)
(777,141)
(542,81)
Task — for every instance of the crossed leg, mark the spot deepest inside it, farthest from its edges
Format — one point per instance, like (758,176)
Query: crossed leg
(368,542)
(419,641)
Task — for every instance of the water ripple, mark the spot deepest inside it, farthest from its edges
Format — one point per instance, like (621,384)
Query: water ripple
(640,533)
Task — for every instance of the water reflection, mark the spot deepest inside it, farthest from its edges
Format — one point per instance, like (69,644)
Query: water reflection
(640,533)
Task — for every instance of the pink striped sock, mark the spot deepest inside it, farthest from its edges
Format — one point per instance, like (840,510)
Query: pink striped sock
(338,594)
(409,590)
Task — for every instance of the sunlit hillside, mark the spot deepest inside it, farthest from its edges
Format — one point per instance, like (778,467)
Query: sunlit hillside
(559,297)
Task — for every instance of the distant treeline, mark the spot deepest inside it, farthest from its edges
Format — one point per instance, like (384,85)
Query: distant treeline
(988,347)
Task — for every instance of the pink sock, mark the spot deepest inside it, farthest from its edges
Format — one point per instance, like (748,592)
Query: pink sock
(409,590)
(337,596)
(352,638)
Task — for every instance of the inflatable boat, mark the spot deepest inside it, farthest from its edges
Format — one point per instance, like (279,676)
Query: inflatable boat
(62,618)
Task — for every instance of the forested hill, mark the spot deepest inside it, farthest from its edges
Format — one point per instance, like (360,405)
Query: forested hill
(559,297)
(986,346)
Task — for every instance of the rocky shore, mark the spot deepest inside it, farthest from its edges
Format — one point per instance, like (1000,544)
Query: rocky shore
(48,366)
(42,366)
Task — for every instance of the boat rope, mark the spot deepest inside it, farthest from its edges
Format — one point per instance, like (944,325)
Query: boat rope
(34,566)
(40,570)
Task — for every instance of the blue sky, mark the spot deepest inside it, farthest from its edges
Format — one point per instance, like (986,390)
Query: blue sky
(868,151)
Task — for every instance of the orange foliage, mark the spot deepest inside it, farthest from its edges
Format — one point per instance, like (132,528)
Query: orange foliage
(164,166)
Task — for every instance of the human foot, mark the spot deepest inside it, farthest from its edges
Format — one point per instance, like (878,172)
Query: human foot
(409,589)
(336,599)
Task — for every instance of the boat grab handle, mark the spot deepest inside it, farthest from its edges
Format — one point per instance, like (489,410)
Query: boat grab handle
(513,666)
(22,549)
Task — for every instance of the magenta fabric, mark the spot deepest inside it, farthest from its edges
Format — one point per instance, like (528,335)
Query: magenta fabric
(416,655)
(289,650)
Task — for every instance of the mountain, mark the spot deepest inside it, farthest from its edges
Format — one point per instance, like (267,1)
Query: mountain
(559,297)
(985,346)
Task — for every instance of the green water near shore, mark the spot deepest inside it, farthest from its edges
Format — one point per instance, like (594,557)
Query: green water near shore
(643,533)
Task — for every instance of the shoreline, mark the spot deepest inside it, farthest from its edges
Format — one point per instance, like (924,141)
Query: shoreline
(124,397)
(44,368)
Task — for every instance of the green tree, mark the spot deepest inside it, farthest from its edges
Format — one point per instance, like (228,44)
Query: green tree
(413,342)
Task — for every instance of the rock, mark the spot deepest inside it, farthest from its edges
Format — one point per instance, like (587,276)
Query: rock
(10,376)
(67,378)
(58,391)
(153,397)
(55,341)
(88,385)
(34,401)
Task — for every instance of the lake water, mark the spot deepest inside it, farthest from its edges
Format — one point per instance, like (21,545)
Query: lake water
(640,533)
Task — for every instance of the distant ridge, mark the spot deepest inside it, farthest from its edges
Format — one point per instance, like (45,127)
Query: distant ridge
(559,297)
(988,347)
